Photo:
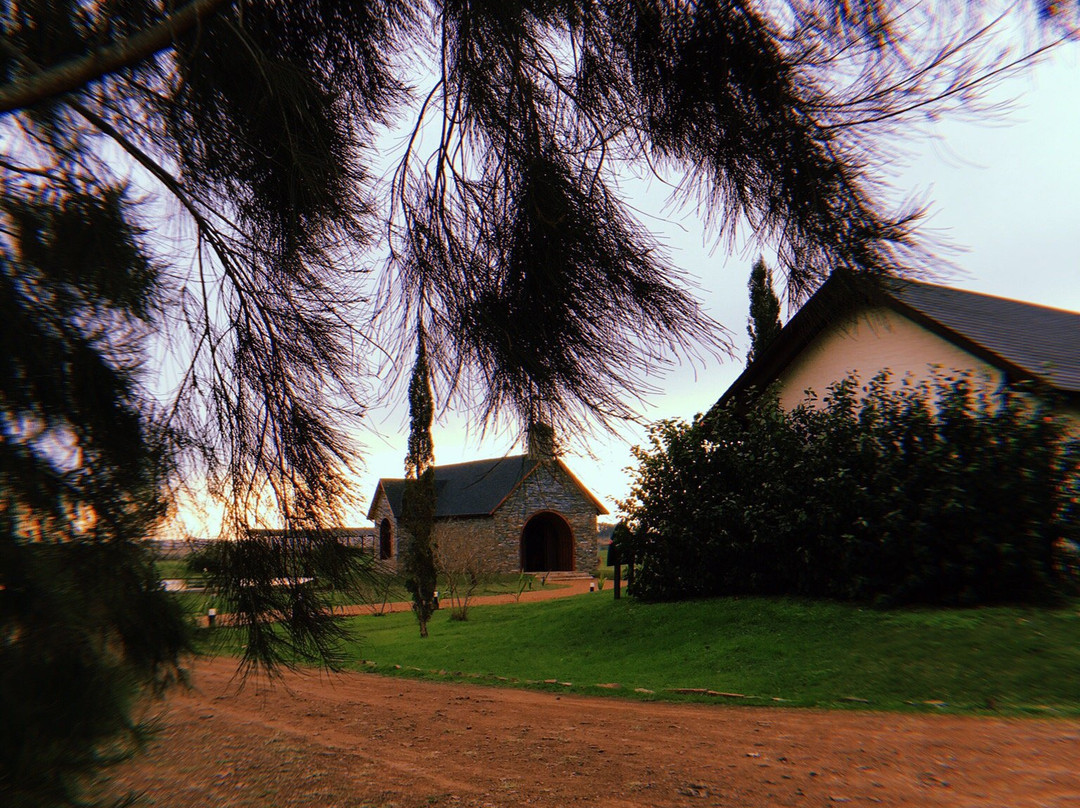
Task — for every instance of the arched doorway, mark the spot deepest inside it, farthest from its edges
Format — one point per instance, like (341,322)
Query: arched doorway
(547,544)
(385,545)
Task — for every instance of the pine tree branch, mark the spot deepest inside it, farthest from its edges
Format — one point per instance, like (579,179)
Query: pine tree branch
(76,73)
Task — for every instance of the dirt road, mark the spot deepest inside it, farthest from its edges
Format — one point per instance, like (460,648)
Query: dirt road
(366,740)
(564,589)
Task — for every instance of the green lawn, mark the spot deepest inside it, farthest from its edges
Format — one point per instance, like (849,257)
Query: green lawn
(376,589)
(1002,659)
(172,568)
(490,585)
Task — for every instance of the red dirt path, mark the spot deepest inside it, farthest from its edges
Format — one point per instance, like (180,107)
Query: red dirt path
(561,589)
(366,740)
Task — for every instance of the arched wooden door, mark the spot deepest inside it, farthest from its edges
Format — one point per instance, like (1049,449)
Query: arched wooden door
(547,544)
(386,545)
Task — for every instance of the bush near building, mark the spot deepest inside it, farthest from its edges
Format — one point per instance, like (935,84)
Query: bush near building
(938,492)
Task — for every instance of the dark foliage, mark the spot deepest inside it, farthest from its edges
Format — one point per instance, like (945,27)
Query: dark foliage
(916,494)
(243,128)
(418,566)
(764,322)
(289,580)
(417,550)
(546,297)
(249,121)
(86,628)
(84,624)
(421,452)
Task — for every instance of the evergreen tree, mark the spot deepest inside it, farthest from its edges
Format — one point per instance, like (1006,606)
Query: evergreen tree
(419,499)
(184,215)
(83,619)
(764,323)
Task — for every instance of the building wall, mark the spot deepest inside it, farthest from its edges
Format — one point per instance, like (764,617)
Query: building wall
(548,488)
(379,511)
(869,341)
(468,540)
(875,339)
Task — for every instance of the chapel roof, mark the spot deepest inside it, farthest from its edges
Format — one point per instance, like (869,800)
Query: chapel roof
(475,488)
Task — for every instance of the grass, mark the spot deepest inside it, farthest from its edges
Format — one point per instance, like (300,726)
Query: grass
(1010,660)
(172,568)
(376,590)
(490,585)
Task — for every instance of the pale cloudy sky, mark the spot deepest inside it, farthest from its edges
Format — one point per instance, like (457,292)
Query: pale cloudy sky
(1006,192)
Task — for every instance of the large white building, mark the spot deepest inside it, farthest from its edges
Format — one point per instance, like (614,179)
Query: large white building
(863,325)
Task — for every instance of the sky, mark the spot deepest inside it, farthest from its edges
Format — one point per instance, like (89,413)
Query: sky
(1003,193)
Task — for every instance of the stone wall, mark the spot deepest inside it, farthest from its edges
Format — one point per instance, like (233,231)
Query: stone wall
(547,488)
(472,540)
(380,511)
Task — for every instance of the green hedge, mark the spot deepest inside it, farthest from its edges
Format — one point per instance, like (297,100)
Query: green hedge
(930,493)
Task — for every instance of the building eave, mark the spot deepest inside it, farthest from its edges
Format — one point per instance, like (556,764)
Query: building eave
(600,509)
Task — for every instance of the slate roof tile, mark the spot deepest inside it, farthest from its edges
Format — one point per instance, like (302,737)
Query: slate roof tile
(475,488)
(1043,341)
(467,489)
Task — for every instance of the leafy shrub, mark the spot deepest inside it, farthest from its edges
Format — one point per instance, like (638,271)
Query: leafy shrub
(937,492)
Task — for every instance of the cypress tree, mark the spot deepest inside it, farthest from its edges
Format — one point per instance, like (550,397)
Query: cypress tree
(764,322)
(418,505)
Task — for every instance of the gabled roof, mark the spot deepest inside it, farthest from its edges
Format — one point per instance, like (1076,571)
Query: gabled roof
(476,488)
(1026,341)
(1042,342)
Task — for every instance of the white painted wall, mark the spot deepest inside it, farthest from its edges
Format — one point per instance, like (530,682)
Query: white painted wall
(869,341)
